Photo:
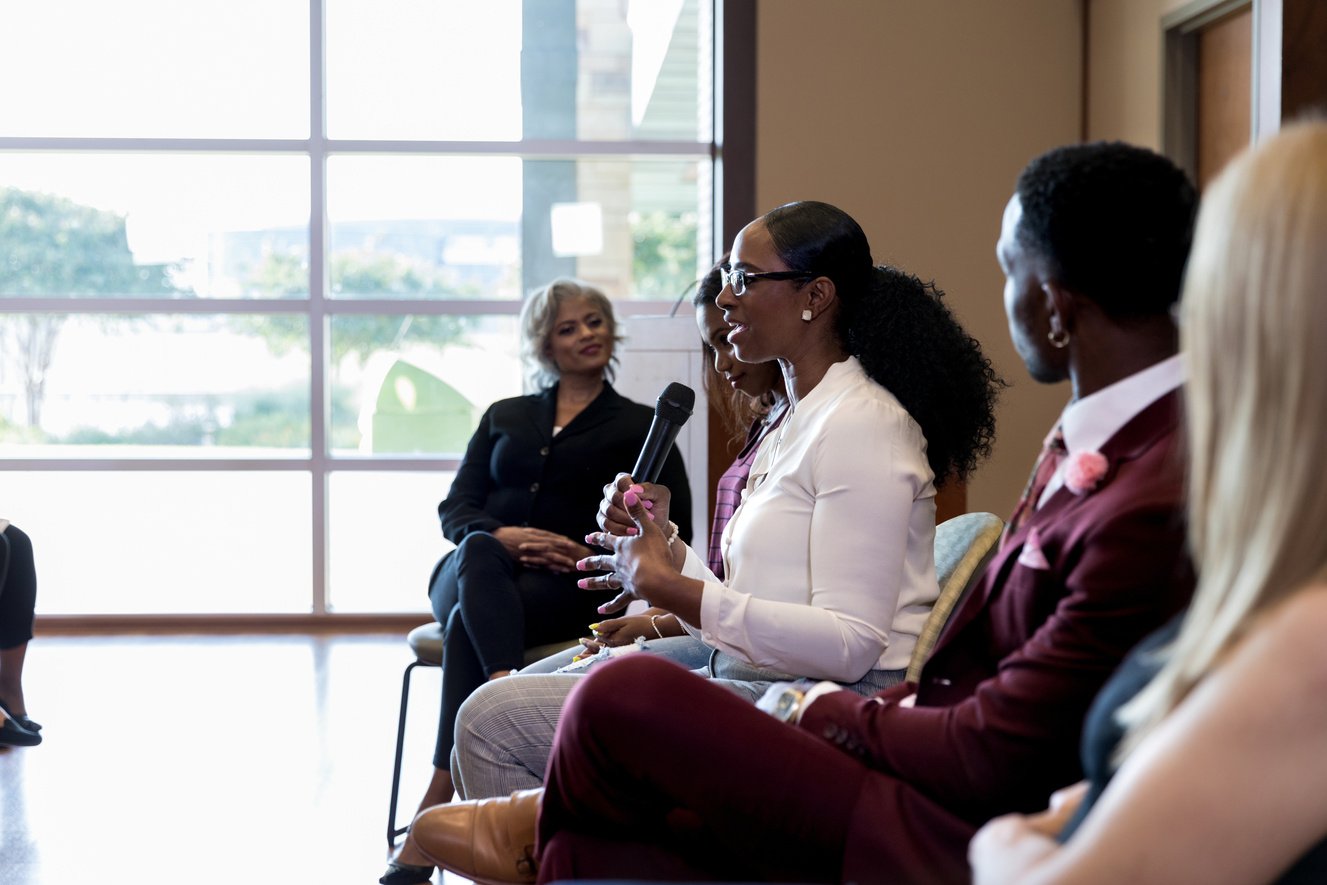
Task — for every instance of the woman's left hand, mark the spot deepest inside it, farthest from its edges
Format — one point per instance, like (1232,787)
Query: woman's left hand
(635,563)
(1008,847)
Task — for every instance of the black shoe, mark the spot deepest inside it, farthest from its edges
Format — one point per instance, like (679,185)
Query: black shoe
(14,735)
(406,874)
(21,719)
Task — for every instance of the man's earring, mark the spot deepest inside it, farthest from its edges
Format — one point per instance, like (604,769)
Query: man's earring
(806,315)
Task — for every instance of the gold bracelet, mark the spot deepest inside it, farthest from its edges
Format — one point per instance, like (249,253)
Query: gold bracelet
(654,622)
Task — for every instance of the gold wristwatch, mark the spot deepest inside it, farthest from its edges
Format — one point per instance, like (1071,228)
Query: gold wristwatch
(789,703)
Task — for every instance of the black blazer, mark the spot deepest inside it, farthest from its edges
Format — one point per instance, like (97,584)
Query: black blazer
(516,472)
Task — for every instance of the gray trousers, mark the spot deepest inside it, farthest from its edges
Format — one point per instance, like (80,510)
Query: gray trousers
(504,732)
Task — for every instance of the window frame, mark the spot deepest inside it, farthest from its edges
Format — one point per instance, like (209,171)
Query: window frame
(730,151)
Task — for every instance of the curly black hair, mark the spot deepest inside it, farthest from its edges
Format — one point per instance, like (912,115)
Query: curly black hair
(901,331)
(1113,222)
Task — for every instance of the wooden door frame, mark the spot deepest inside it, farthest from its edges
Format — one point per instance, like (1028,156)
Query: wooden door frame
(1179,81)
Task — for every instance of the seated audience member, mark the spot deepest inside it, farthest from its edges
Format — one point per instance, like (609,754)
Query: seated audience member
(656,774)
(1217,726)
(750,402)
(522,500)
(829,561)
(18,602)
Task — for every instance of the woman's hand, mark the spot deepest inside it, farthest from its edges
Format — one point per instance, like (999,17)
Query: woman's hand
(537,548)
(639,560)
(613,515)
(611,632)
(1063,806)
(1007,848)
(623,631)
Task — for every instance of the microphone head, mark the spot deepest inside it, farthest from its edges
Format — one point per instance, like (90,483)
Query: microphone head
(675,403)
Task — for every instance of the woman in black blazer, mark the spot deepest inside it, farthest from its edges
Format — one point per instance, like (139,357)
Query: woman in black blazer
(522,502)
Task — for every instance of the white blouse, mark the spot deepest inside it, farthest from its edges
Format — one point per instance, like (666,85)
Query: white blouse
(830,559)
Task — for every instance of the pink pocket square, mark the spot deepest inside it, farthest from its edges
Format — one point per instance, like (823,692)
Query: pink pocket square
(1031,555)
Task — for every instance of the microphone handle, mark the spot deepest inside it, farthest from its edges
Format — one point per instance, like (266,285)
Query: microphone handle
(658,443)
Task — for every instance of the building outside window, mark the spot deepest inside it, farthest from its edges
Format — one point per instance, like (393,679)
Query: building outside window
(261,264)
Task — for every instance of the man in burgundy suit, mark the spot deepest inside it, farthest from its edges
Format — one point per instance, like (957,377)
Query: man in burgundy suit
(655,774)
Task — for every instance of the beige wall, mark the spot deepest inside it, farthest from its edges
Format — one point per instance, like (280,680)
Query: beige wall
(1124,69)
(916,117)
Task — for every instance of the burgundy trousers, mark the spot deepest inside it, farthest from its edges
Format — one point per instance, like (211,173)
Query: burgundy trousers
(657,774)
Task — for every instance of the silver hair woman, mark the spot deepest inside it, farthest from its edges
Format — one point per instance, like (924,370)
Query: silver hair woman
(539,319)
(524,496)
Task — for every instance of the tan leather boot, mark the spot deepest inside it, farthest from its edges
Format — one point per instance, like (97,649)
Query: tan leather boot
(488,840)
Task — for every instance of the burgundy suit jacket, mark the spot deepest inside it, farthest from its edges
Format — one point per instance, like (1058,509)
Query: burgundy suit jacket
(1001,702)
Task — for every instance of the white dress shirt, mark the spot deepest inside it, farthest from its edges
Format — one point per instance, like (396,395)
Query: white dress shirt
(830,557)
(1087,423)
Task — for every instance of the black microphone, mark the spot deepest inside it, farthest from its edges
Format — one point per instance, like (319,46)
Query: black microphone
(670,413)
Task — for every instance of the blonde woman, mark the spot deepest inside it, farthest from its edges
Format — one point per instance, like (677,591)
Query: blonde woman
(1220,759)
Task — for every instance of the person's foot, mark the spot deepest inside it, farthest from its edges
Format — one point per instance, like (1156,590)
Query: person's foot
(408,866)
(490,840)
(408,858)
(14,735)
(21,718)
(399,873)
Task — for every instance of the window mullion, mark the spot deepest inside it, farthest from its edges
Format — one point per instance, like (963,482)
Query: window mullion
(318,328)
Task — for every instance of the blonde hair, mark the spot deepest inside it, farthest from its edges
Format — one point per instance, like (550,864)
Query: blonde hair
(539,315)
(1254,315)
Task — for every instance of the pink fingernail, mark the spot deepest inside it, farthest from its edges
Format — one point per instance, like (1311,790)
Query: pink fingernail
(582,582)
(635,531)
(637,489)
(631,499)
(603,609)
(649,505)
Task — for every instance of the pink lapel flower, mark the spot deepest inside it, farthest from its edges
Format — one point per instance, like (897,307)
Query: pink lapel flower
(1083,471)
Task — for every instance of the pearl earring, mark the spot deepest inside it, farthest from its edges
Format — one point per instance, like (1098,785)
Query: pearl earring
(806,315)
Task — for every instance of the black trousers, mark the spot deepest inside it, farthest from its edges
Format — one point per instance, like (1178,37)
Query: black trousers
(18,592)
(492,609)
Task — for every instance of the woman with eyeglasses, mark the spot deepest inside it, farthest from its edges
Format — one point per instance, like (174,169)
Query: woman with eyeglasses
(750,402)
(829,560)
(829,568)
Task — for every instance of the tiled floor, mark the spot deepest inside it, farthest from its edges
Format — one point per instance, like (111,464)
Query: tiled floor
(260,759)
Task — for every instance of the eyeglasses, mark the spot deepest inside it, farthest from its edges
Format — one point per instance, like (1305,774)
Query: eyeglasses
(738,279)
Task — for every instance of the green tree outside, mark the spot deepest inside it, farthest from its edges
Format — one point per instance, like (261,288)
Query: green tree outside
(53,247)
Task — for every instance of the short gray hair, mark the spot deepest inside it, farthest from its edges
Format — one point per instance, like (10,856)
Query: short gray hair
(538,316)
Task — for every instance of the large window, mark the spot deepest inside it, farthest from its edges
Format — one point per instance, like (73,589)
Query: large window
(261,261)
